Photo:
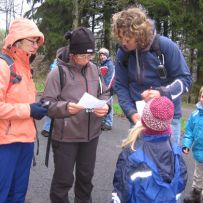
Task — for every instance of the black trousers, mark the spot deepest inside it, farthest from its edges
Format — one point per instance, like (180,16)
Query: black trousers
(82,155)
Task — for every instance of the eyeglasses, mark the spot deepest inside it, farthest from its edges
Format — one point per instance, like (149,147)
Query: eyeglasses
(83,56)
(33,43)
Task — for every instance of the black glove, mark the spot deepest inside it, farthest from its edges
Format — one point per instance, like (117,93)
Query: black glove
(37,111)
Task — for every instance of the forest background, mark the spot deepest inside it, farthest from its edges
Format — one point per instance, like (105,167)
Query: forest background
(180,20)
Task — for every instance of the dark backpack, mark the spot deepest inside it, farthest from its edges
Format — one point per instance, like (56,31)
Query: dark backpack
(14,77)
(155,47)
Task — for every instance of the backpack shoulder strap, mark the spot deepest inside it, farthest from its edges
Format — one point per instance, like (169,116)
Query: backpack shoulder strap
(156,46)
(14,78)
(7,58)
(61,76)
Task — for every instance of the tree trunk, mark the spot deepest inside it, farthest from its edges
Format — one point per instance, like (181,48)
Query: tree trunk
(75,14)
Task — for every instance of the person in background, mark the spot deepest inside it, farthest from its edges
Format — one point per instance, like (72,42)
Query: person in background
(193,137)
(47,121)
(150,168)
(107,69)
(18,109)
(140,73)
(76,130)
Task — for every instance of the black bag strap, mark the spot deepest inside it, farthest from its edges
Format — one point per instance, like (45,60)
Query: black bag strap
(156,46)
(49,143)
(61,78)
(37,152)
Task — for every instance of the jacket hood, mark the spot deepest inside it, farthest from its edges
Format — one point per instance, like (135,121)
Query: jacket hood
(62,54)
(159,149)
(199,107)
(105,61)
(20,29)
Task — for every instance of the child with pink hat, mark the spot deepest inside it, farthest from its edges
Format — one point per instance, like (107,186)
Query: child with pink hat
(150,168)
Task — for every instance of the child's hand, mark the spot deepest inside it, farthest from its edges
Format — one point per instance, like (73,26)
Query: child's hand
(150,94)
(185,150)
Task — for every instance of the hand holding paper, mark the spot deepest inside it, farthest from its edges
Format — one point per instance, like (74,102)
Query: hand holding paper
(90,102)
(102,111)
(74,108)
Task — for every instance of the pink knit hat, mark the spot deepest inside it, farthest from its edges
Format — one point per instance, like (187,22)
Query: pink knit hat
(158,114)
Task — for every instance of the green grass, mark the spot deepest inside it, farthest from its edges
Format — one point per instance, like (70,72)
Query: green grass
(117,110)
(39,86)
(183,124)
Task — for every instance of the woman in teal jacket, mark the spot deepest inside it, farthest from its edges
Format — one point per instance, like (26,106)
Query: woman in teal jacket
(194,138)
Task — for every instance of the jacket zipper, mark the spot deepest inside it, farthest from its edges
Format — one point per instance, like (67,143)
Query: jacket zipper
(138,67)
(8,128)
(83,74)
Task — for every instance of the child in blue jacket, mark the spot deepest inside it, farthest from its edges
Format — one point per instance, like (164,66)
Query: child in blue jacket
(150,169)
(194,138)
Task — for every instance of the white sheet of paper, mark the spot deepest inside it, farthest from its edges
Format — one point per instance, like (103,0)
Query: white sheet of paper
(88,101)
(140,106)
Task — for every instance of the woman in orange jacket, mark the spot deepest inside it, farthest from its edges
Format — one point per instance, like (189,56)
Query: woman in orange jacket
(18,109)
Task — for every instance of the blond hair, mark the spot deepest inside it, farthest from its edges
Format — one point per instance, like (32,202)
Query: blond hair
(133,22)
(133,135)
(201,91)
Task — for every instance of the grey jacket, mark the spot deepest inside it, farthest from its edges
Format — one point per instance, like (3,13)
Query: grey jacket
(83,126)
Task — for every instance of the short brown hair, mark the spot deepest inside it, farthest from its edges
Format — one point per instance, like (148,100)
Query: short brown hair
(133,22)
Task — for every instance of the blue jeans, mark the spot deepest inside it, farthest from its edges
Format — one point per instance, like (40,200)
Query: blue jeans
(15,159)
(47,124)
(108,120)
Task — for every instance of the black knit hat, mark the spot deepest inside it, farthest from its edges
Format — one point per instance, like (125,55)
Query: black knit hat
(82,41)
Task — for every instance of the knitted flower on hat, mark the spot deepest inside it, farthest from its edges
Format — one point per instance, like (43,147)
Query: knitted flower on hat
(158,114)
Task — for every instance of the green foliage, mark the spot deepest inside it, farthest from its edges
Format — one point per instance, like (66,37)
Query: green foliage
(159,11)
(2,36)
(39,86)
(54,19)
(117,110)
